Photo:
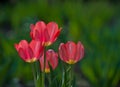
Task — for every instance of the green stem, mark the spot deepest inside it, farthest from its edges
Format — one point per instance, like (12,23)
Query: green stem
(49,79)
(34,74)
(71,75)
(63,75)
(43,73)
(38,74)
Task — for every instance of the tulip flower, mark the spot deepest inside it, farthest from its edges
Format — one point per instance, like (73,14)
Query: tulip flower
(46,33)
(51,59)
(71,52)
(29,52)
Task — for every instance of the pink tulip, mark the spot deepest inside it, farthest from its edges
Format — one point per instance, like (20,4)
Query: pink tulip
(29,52)
(71,52)
(46,33)
(51,58)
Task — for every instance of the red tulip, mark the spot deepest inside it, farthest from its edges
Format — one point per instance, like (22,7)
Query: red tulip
(46,33)
(71,52)
(51,58)
(29,52)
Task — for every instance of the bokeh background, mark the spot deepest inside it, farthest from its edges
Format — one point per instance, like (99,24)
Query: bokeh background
(96,23)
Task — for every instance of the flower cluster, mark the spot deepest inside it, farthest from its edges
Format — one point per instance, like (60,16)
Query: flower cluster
(44,35)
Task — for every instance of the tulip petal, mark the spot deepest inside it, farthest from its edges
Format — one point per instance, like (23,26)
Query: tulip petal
(52,57)
(22,54)
(52,28)
(46,36)
(56,35)
(80,51)
(30,53)
(37,35)
(37,32)
(71,50)
(37,48)
(31,35)
(23,44)
(42,63)
(63,52)
(40,25)
(32,28)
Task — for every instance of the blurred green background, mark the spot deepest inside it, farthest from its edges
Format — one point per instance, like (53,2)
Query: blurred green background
(96,23)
